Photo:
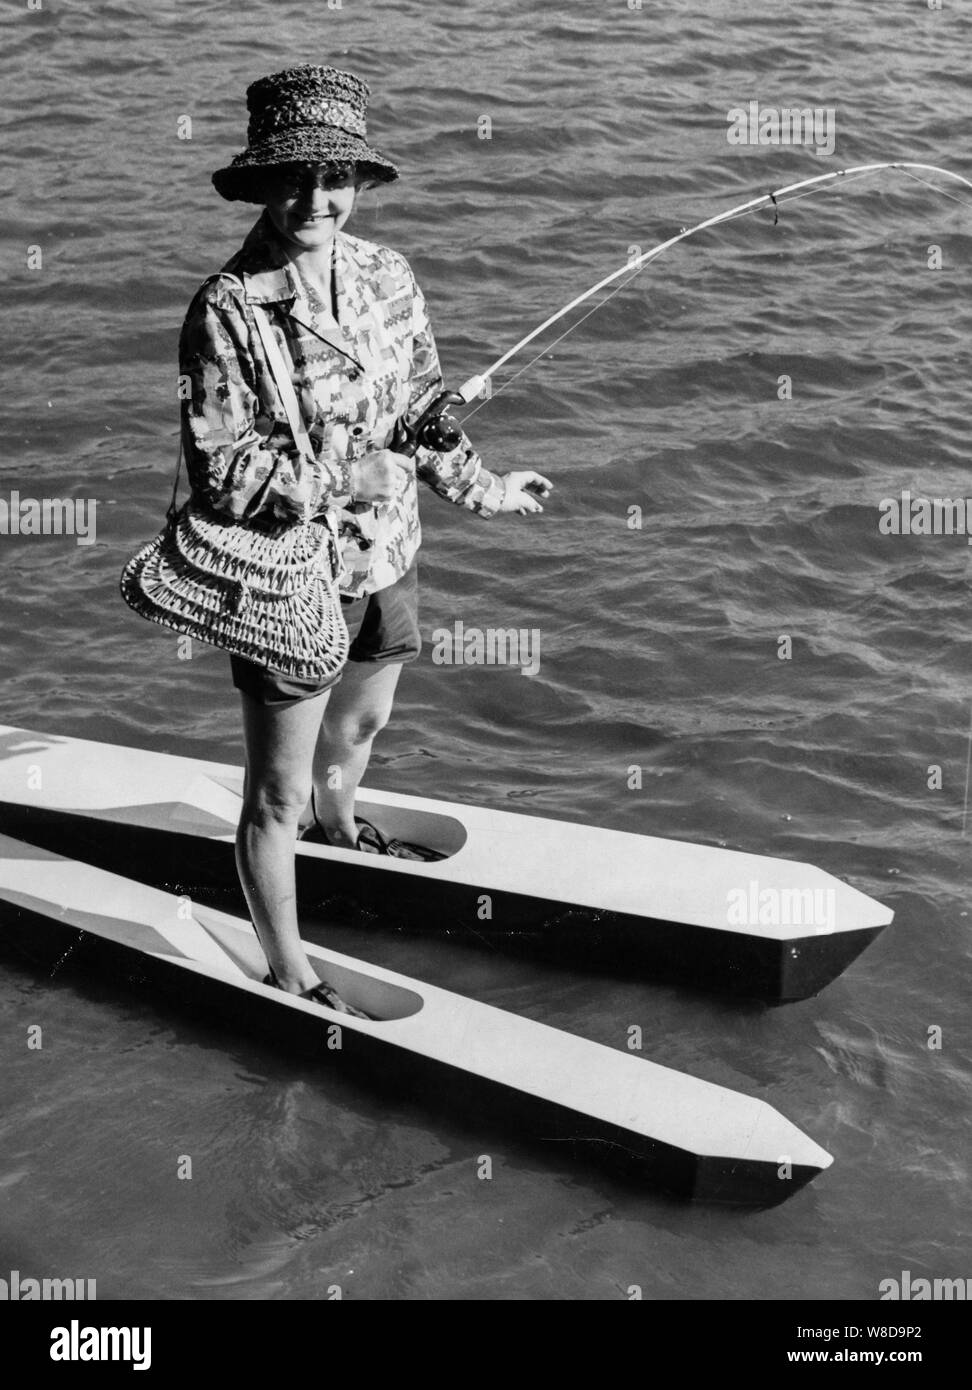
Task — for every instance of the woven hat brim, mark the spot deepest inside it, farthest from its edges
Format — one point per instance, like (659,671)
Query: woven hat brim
(237,183)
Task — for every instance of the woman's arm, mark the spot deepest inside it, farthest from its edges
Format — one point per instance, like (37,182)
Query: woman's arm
(458,475)
(241,456)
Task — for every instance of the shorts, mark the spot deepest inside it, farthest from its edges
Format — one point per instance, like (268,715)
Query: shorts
(382,627)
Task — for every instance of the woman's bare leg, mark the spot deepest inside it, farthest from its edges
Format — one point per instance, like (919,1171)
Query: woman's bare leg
(279,760)
(358,709)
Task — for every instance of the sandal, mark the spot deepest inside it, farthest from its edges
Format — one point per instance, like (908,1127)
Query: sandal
(315,834)
(371,840)
(396,849)
(323,993)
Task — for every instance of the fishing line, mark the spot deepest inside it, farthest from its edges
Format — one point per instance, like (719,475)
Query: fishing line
(81,936)
(777,204)
(776,199)
(963,202)
(549,348)
(968,769)
(584,317)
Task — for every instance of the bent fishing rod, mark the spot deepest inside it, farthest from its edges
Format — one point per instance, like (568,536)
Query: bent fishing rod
(436,429)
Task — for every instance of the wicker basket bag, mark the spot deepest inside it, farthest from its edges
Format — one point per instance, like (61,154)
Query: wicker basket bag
(267,593)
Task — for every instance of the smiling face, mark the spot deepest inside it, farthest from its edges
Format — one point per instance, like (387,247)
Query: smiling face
(308,203)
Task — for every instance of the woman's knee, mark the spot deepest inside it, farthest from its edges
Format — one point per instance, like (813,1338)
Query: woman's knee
(277,797)
(357,728)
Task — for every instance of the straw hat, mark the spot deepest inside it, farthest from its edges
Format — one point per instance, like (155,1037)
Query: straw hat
(304,114)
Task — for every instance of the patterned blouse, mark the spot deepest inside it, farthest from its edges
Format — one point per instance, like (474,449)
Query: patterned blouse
(354,376)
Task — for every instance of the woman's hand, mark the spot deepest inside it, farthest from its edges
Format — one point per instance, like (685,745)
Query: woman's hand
(375,477)
(523,491)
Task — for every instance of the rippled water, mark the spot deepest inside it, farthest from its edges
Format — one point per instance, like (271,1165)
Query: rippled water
(659,644)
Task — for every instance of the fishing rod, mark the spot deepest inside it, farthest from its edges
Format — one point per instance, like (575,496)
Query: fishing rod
(436,429)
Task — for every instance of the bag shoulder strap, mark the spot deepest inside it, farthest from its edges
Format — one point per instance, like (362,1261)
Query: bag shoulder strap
(172,508)
(285,389)
(285,385)
(281,376)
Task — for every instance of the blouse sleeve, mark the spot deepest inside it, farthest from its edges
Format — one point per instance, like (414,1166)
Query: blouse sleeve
(241,457)
(458,475)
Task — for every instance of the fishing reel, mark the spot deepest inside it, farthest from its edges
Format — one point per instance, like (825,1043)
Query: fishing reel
(433,429)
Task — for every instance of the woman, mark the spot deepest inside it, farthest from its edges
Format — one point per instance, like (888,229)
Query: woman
(352,324)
